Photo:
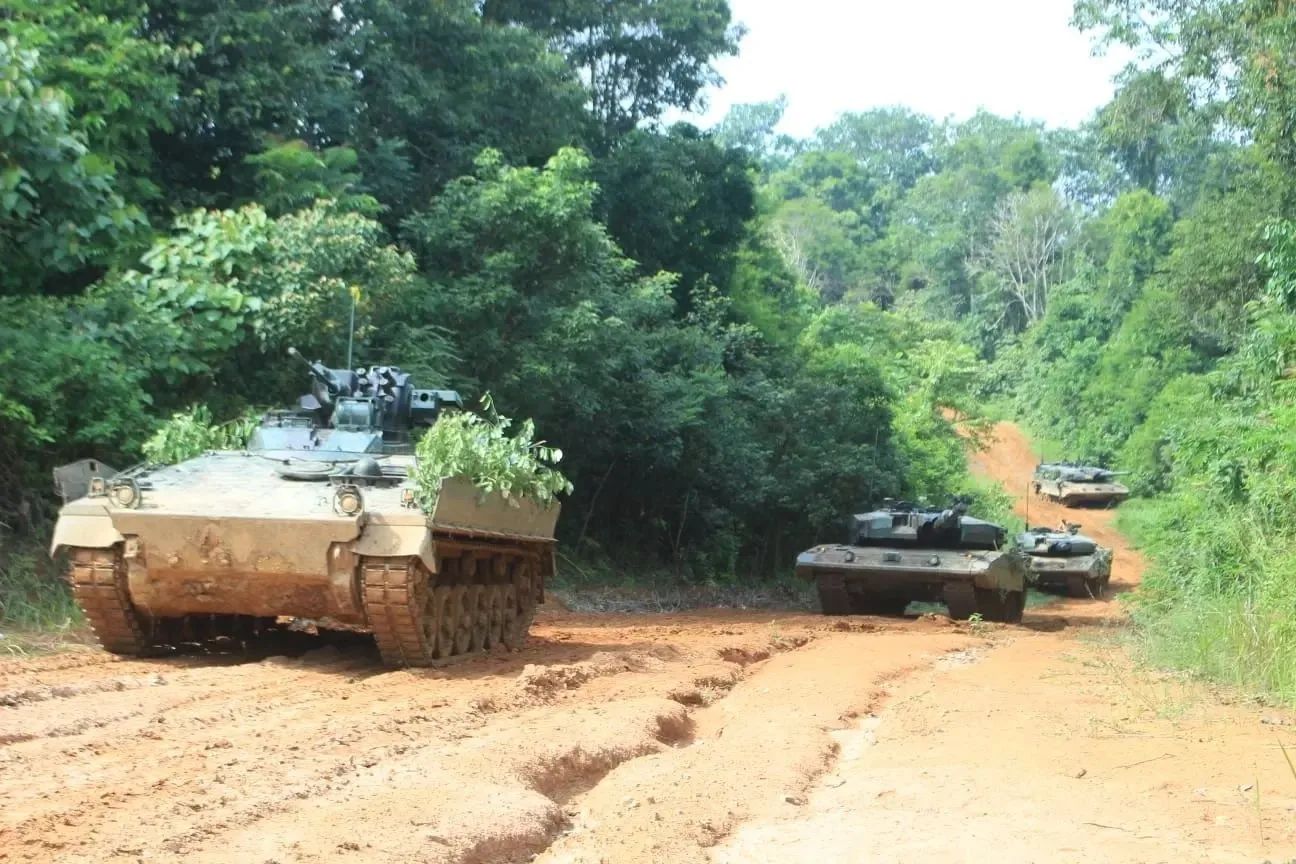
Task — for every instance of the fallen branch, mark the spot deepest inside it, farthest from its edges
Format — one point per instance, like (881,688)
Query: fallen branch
(1145,761)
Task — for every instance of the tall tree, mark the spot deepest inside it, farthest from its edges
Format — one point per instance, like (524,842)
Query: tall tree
(678,202)
(636,57)
(1024,254)
(120,80)
(1230,54)
(1135,126)
(437,85)
(894,144)
(752,126)
(255,70)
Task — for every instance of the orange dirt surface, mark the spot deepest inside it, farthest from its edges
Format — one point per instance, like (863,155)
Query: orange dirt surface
(707,736)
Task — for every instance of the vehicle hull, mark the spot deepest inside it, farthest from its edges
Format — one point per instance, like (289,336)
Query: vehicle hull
(860,579)
(1079,576)
(225,538)
(1079,494)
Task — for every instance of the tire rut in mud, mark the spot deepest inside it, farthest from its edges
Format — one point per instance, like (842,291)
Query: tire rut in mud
(211,757)
(757,749)
(538,755)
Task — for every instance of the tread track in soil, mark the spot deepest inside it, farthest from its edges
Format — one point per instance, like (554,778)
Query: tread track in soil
(290,758)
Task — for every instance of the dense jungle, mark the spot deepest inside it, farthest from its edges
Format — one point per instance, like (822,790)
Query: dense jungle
(735,336)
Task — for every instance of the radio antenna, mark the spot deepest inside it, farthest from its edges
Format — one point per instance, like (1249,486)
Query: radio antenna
(355,292)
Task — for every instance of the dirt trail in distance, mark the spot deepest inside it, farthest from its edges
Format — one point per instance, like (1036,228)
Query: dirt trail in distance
(708,736)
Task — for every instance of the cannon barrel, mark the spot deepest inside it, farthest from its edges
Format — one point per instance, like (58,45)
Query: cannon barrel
(319,372)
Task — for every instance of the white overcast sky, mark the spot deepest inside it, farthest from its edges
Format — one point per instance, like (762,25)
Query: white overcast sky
(939,57)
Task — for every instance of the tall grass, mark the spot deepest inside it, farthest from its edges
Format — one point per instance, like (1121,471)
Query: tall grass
(1220,592)
(33,593)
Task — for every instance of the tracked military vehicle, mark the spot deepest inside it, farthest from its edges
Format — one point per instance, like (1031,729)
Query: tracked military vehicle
(316,520)
(905,552)
(1063,559)
(1070,484)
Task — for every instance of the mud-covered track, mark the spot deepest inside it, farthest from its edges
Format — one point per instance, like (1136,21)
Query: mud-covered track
(99,587)
(481,598)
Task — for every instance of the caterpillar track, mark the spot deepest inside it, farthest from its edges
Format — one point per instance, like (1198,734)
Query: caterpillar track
(98,578)
(482,597)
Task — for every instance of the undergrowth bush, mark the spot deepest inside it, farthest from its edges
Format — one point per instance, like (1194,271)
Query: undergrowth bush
(479,447)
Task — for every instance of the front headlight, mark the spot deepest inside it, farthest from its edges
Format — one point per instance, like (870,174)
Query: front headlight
(125,493)
(347,500)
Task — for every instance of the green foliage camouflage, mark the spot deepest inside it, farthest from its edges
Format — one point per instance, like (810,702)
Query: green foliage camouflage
(480,447)
(188,434)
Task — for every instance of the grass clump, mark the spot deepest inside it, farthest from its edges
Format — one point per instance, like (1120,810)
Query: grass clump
(479,446)
(595,582)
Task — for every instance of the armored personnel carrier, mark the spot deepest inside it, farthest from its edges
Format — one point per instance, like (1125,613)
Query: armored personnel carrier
(318,520)
(1066,560)
(905,552)
(1069,484)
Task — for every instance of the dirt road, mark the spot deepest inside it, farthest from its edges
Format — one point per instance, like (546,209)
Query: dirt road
(714,736)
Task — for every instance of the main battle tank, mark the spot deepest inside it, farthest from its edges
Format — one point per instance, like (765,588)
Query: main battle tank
(1069,483)
(316,520)
(905,552)
(1066,560)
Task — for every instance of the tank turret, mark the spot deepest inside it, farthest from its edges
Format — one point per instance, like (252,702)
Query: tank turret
(366,410)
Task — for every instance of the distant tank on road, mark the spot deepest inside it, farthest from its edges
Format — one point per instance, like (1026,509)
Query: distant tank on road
(907,552)
(1070,484)
(1064,559)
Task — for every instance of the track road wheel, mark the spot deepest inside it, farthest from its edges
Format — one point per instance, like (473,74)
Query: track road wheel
(961,600)
(98,578)
(494,615)
(444,646)
(1003,606)
(508,615)
(464,603)
(401,609)
(833,599)
(479,602)
(520,603)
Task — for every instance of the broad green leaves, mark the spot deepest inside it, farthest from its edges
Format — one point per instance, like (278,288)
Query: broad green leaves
(59,207)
